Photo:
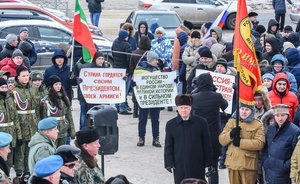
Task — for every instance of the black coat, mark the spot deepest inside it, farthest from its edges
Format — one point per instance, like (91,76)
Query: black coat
(187,147)
(207,104)
(38,180)
(7,51)
(94,6)
(121,60)
(67,179)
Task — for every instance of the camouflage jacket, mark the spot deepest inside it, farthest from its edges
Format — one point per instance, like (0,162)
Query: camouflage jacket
(64,116)
(88,175)
(27,103)
(9,119)
(3,178)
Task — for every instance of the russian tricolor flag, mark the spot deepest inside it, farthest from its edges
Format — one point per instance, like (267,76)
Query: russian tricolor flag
(220,20)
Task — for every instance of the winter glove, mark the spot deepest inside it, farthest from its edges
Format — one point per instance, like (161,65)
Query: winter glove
(236,141)
(210,170)
(176,80)
(133,83)
(235,132)
(125,78)
(234,86)
(79,80)
(169,169)
(71,75)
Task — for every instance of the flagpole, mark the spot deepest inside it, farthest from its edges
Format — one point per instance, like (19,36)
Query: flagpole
(238,100)
(72,54)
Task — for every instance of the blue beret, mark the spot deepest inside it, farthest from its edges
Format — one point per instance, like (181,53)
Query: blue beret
(5,139)
(47,123)
(23,29)
(47,166)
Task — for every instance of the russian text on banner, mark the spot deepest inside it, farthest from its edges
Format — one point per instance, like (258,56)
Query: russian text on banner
(103,85)
(155,89)
(223,84)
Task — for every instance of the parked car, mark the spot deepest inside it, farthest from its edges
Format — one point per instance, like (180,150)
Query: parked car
(295,11)
(169,20)
(195,11)
(17,9)
(46,36)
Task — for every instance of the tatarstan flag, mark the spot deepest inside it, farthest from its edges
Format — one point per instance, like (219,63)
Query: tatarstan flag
(245,59)
(82,34)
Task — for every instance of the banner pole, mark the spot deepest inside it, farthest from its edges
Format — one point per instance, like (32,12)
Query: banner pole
(72,55)
(238,100)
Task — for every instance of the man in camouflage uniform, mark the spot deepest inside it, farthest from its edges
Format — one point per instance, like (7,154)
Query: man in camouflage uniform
(8,118)
(28,109)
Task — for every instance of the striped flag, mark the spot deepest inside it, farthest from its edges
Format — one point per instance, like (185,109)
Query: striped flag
(245,57)
(82,34)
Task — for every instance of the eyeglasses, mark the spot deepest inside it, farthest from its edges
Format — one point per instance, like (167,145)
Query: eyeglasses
(70,166)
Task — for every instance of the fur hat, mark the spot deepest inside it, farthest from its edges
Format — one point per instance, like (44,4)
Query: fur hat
(53,79)
(260,29)
(252,14)
(222,61)
(87,135)
(10,38)
(195,34)
(184,100)
(160,29)
(17,52)
(188,24)
(205,52)
(281,109)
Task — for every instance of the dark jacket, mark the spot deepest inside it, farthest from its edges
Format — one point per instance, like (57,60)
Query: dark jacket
(293,64)
(273,22)
(275,43)
(121,60)
(207,104)
(66,178)
(31,52)
(63,73)
(187,147)
(94,6)
(7,51)
(38,180)
(279,147)
(144,45)
(279,6)
(294,38)
(137,35)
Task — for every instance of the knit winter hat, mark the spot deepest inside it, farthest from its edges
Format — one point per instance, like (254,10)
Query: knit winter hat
(188,24)
(222,61)
(184,99)
(288,28)
(260,29)
(25,47)
(123,34)
(23,29)
(2,81)
(195,34)
(151,55)
(207,25)
(87,135)
(97,54)
(251,107)
(268,76)
(160,30)
(11,38)
(17,52)
(20,69)
(53,79)
(153,27)
(252,14)
(205,52)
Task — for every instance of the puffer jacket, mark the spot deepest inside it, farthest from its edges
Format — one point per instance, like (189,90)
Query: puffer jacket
(295,164)
(276,155)
(7,51)
(163,48)
(279,6)
(291,77)
(7,64)
(41,146)
(190,54)
(63,73)
(121,60)
(293,57)
(144,46)
(288,98)
(273,22)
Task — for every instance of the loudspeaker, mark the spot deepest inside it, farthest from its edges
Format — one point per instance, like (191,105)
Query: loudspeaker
(104,118)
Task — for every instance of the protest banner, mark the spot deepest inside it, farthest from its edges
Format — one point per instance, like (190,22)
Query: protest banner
(155,89)
(224,84)
(103,85)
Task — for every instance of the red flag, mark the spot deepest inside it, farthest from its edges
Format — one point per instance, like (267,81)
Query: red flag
(244,56)
(82,34)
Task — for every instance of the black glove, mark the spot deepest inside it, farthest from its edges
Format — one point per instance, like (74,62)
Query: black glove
(19,142)
(211,170)
(236,141)
(125,78)
(234,86)
(235,132)
(79,80)
(169,169)
(133,83)
(71,75)
(176,80)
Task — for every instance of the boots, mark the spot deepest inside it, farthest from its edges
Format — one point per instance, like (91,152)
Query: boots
(156,142)
(141,141)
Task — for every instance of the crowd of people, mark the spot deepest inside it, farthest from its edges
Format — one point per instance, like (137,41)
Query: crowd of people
(257,143)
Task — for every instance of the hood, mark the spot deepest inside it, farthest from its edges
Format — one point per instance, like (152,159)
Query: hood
(294,38)
(266,118)
(145,24)
(292,56)
(145,43)
(217,49)
(38,138)
(272,22)
(280,58)
(153,27)
(231,71)
(218,30)
(25,47)
(249,119)
(59,52)
(281,76)
(274,42)
(204,82)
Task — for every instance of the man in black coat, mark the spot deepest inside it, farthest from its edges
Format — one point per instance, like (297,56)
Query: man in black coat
(207,104)
(187,143)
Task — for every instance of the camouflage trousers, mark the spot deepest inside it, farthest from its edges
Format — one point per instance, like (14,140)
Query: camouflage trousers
(21,158)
